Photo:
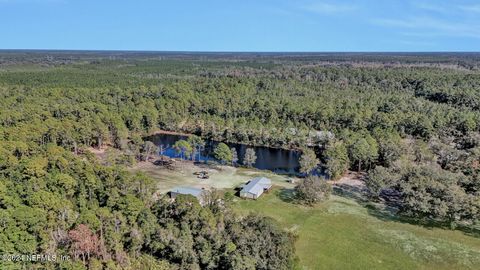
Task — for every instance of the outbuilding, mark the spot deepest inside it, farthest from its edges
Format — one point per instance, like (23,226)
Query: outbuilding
(255,188)
(195,192)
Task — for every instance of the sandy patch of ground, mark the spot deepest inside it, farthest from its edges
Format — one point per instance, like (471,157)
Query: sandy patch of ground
(100,153)
(353,179)
(161,131)
(351,185)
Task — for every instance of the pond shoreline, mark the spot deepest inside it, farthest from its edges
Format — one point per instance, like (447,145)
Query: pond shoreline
(267,158)
(180,133)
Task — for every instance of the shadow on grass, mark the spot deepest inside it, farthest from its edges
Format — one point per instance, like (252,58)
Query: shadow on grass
(469,230)
(351,192)
(389,211)
(286,195)
(388,215)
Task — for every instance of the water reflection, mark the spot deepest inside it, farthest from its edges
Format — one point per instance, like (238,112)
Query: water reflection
(277,160)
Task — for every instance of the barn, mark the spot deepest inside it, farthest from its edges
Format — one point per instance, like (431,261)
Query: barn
(255,188)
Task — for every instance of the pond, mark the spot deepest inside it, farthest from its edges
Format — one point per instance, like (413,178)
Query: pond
(273,159)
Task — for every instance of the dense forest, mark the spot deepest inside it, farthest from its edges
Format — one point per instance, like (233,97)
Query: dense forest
(411,122)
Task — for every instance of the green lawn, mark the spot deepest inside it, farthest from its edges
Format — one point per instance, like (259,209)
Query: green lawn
(342,234)
(339,233)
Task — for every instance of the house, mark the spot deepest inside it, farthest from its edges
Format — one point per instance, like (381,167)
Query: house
(255,188)
(195,192)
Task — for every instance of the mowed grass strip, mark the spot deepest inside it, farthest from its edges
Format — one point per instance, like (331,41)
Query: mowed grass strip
(342,234)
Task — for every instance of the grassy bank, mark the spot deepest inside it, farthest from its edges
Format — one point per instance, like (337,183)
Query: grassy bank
(342,234)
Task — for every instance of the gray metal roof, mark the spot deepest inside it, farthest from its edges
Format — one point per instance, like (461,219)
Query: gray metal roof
(257,184)
(262,181)
(188,191)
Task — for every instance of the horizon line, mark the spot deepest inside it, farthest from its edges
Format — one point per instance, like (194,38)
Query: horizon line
(233,51)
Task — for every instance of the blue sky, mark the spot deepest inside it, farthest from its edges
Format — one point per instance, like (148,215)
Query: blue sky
(241,25)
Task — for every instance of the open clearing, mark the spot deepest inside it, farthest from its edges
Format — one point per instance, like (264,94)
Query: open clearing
(221,177)
(343,234)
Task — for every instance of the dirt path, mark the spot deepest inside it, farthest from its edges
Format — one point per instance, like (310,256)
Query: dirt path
(351,185)
(353,179)
(161,131)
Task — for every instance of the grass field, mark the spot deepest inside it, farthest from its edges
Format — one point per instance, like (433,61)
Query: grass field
(343,234)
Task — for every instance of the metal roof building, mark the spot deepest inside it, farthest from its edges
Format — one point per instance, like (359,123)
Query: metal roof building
(255,187)
(195,192)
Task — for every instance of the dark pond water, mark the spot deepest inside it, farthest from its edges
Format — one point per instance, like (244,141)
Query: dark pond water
(277,160)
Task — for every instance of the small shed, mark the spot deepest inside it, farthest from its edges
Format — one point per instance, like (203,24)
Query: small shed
(255,188)
(195,192)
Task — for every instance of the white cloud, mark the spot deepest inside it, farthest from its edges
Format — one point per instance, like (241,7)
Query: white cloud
(431,7)
(329,8)
(471,8)
(417,43)
(446,8)
(31,1)
(425,26)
